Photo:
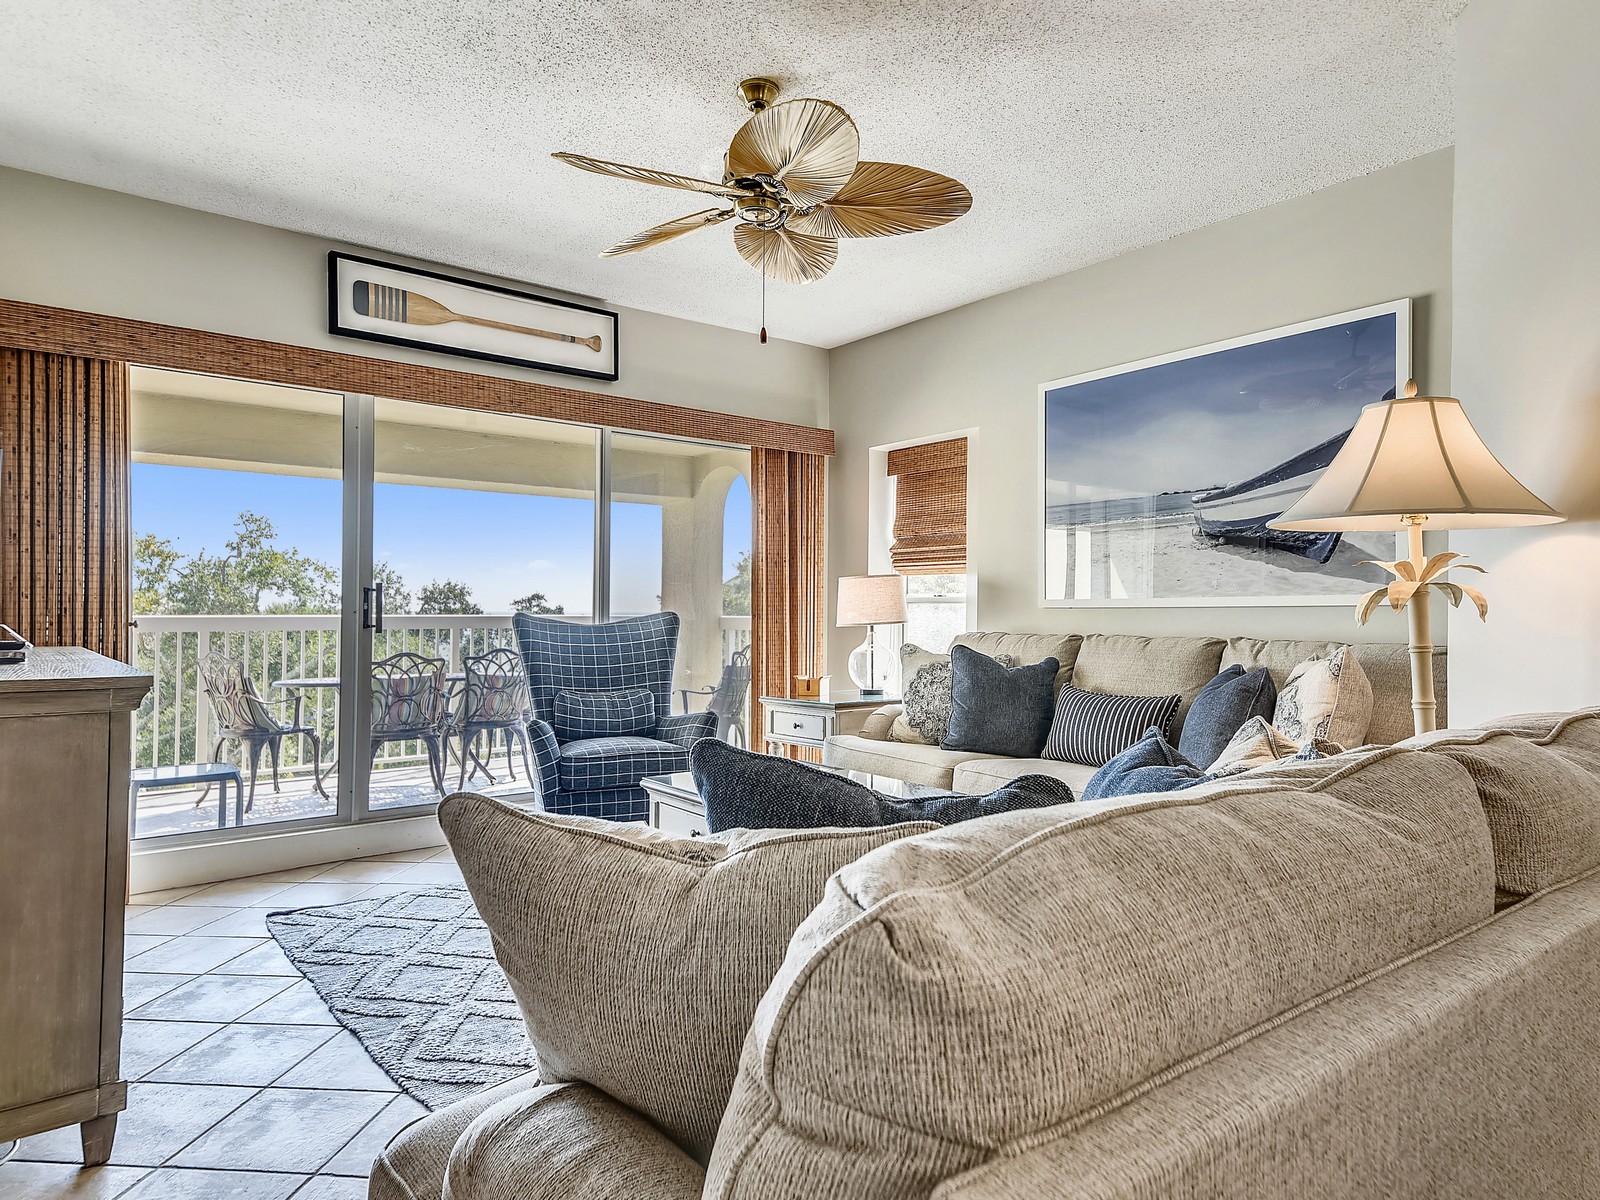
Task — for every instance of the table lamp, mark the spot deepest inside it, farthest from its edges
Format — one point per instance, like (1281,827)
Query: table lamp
(870,600)
(1411,462)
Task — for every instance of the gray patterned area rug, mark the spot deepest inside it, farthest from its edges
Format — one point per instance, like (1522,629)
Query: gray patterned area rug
(414,977)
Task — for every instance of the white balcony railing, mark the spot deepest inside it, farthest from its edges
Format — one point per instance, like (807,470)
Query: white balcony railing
(174,725)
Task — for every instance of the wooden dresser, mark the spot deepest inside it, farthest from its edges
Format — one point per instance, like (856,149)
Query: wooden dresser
(66,718)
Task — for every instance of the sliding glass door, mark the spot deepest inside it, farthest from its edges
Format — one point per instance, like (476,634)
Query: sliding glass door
(328,578)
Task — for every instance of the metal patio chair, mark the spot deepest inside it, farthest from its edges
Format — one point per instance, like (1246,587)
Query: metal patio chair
(494,698)
(727,697)
(409,699)
(243,718)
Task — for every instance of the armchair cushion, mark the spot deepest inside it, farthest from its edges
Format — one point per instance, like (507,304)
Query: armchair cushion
(603,714)
(594,764)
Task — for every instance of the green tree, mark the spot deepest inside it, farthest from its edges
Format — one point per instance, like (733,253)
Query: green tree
(446,596)
(154,560)
(736,589)
(536,602)
(252,575)
(396,596)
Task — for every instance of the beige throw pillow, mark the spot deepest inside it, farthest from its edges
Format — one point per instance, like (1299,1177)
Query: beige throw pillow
(638,957)
(1258,744)
(1325,697)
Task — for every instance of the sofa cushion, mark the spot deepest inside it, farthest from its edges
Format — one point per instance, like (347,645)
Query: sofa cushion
(568,1140)
(1129,665)
(576,715)
(986,774)
(1092,728)
(996,709)
(931,766)
(595,764)
(1079,959)
(925,685)
(1326,697)
(742,790)
(1539,781)
(1222,706)
(1025,649)
(637,957)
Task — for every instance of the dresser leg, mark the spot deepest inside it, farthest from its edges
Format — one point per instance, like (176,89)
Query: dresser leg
(98,1135)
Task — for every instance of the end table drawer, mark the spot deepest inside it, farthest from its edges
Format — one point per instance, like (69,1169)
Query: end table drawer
(787,726)
(669,818)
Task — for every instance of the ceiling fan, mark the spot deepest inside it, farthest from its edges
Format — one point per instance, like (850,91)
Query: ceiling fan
(797,184)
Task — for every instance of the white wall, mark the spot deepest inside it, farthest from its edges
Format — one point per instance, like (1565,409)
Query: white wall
(1527,357)
(1369,240)
(73,246)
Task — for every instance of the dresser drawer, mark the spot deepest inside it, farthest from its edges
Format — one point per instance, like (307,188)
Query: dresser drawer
(669,818)
(788,726)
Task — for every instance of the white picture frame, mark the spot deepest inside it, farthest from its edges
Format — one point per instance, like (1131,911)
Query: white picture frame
(1216,438)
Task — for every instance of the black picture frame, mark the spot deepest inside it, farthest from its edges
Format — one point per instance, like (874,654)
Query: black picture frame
(339,328)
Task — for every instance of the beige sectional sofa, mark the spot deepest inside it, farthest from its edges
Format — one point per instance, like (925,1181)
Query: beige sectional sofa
(1130,665)
(1370,975)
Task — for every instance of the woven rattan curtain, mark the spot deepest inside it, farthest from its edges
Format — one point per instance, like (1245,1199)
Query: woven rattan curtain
(787,587)
(930,508)
(64,554)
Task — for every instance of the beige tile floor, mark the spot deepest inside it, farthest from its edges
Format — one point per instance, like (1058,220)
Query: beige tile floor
(242,1086)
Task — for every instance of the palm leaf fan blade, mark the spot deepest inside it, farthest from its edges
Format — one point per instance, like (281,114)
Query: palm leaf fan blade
(883,199)
(810,146)
(667,231)
(785,256)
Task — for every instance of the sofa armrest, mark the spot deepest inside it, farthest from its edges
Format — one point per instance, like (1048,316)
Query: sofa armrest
(568,1140)
(876,726)
(412,1165)
(685,729)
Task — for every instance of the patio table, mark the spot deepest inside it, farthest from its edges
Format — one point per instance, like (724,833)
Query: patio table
(219,773)
(334,682)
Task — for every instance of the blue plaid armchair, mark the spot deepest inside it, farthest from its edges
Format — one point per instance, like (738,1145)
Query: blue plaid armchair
(598,776)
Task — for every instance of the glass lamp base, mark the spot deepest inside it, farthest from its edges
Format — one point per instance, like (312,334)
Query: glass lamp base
(861,668)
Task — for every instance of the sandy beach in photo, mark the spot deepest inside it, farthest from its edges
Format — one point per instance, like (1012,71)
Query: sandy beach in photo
(1168,558)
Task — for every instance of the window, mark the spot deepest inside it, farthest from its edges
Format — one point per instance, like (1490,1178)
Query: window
(936,610)
(930,538)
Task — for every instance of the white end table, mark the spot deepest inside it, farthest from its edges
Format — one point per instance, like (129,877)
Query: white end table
(790,722)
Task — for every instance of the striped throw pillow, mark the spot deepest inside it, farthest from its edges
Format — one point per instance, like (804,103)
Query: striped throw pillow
(1092,728)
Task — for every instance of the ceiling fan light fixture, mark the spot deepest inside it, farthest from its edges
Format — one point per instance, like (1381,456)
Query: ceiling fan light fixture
(764,212)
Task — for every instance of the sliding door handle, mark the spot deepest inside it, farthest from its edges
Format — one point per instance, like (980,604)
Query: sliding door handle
(372,608)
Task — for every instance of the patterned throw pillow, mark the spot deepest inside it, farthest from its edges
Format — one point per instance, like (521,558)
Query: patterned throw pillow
(1092,728)
(925,680)
(1258,744)
(578,715)
(1327,698)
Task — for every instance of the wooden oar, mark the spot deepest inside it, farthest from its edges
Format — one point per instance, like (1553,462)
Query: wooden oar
(413,308)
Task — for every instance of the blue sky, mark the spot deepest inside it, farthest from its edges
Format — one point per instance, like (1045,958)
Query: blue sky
(501,545)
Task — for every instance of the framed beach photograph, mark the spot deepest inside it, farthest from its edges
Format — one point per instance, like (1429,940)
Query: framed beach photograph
(384,302)
(1158,478)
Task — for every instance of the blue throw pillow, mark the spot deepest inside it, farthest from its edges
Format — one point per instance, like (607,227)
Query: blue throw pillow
(744,790)
(1222,707)
(1149,765)
(996,709)
(1092,728)
(579,715)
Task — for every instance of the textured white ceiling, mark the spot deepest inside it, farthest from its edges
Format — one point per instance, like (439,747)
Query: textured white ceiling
(1084,128)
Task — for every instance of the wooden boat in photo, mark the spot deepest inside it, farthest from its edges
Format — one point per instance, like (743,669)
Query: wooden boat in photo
(1240,511)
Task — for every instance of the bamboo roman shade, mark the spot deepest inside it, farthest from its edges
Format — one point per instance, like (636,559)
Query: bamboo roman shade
(787,587)
(930,508)
(64,553)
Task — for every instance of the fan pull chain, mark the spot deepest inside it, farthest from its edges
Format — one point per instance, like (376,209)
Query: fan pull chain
(766,246)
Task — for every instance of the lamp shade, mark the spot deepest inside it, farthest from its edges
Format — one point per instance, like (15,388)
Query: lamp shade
(1415,456)
(871,600)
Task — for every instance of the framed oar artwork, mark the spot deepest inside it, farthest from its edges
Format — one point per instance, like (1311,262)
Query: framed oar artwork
(403,306)
(1158,479)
